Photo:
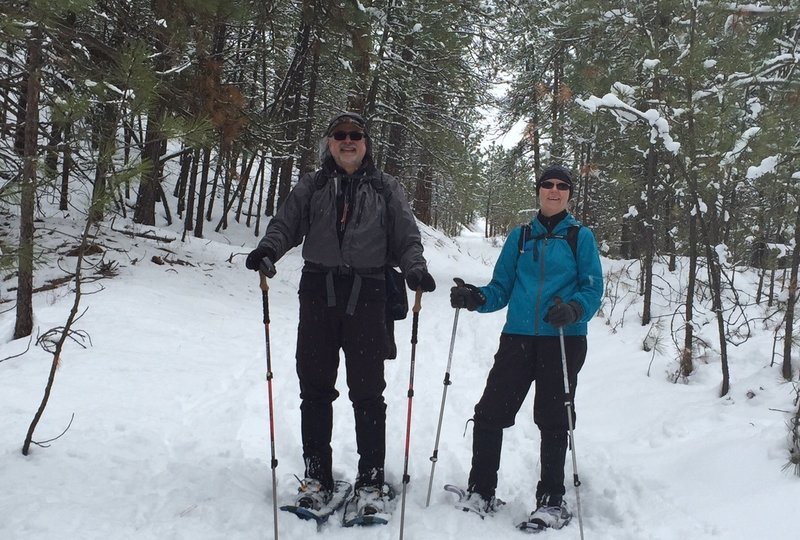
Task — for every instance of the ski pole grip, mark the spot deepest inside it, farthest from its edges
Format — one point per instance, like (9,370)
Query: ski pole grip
(459,282)
(263,281)
(417,301)
(264,297)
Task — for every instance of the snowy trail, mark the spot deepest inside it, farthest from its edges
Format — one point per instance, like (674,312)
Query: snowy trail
(171,435)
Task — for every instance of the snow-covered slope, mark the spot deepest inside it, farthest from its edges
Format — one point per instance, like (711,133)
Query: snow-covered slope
(170,437)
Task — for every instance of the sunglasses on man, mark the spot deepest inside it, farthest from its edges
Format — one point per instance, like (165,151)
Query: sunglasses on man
(342,135)
(549,184)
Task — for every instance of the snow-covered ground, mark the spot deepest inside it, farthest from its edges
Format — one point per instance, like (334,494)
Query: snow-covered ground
(170,437)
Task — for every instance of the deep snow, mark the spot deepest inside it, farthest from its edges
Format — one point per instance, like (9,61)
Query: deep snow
(170,437)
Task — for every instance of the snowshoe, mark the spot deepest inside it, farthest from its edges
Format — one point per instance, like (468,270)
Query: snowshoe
(319,504)
(368,506)
(469,501)
(547,517)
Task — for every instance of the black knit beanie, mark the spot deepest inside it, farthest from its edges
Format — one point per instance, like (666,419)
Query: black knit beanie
(556,172)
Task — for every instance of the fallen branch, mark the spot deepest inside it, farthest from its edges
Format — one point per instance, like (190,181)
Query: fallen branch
(66,332)
(147,234)
(30,338)
(44,444)
(166,260)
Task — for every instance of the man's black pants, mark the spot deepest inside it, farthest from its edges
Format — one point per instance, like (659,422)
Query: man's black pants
(322,331)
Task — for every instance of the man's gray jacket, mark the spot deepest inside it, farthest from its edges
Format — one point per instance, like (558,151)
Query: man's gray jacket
(381,227)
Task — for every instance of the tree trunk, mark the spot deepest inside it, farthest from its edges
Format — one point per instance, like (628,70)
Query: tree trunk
(66,169)
(558,149)
(106,148)
(145,212)
(488,210)
(424,189)
(201,197)
(222,158)
(244,179)
(687,360)
(647,225)
(51,156)
(308,144)
(274,170)
(361,39)
(423,193)
(258,184)
(260,196)
(669,208)
(188,224)
(187,162)
(24,318)
(791,303)
(715,276)
(397,138)
(627,241)
(5,127)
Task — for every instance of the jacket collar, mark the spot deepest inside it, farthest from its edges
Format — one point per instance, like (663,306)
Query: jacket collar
(549,225)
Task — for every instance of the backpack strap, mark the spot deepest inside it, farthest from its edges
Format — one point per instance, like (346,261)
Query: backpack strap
(377,183)
(319,179)
(571,237)
(524,234)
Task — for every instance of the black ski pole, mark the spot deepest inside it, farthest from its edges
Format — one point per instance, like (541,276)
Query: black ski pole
(568,403)
(414,324)
(273,461)
(447,382)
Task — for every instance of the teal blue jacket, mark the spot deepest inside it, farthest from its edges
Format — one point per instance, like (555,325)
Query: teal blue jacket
(529,282)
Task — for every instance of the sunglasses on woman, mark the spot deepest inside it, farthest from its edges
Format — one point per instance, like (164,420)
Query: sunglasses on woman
(342,135)
(549,184)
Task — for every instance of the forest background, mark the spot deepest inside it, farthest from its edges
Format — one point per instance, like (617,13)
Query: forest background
(679,118)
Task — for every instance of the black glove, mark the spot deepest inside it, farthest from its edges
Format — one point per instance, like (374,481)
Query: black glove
(261,259)
(562,314)
(419,278)
(467,296)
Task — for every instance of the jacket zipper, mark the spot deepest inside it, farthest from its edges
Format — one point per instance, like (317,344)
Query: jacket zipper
(537,307)
(361,207)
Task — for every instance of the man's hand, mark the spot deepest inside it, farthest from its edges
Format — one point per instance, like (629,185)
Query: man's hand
(419,278)
(259,259)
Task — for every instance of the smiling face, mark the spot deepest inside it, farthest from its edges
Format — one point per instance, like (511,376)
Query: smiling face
(348,154)
(551,199)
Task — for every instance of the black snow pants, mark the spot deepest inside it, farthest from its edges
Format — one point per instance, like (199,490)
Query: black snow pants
(323,330)
(520,361)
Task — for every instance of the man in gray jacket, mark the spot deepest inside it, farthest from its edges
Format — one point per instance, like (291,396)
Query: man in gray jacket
(352,219)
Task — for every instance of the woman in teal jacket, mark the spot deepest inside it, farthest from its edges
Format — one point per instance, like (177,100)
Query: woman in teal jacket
(549,276)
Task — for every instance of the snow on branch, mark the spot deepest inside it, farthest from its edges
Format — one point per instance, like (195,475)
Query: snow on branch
(627,114)
(766,166)
(782,63)
(752,9)
(740,146)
